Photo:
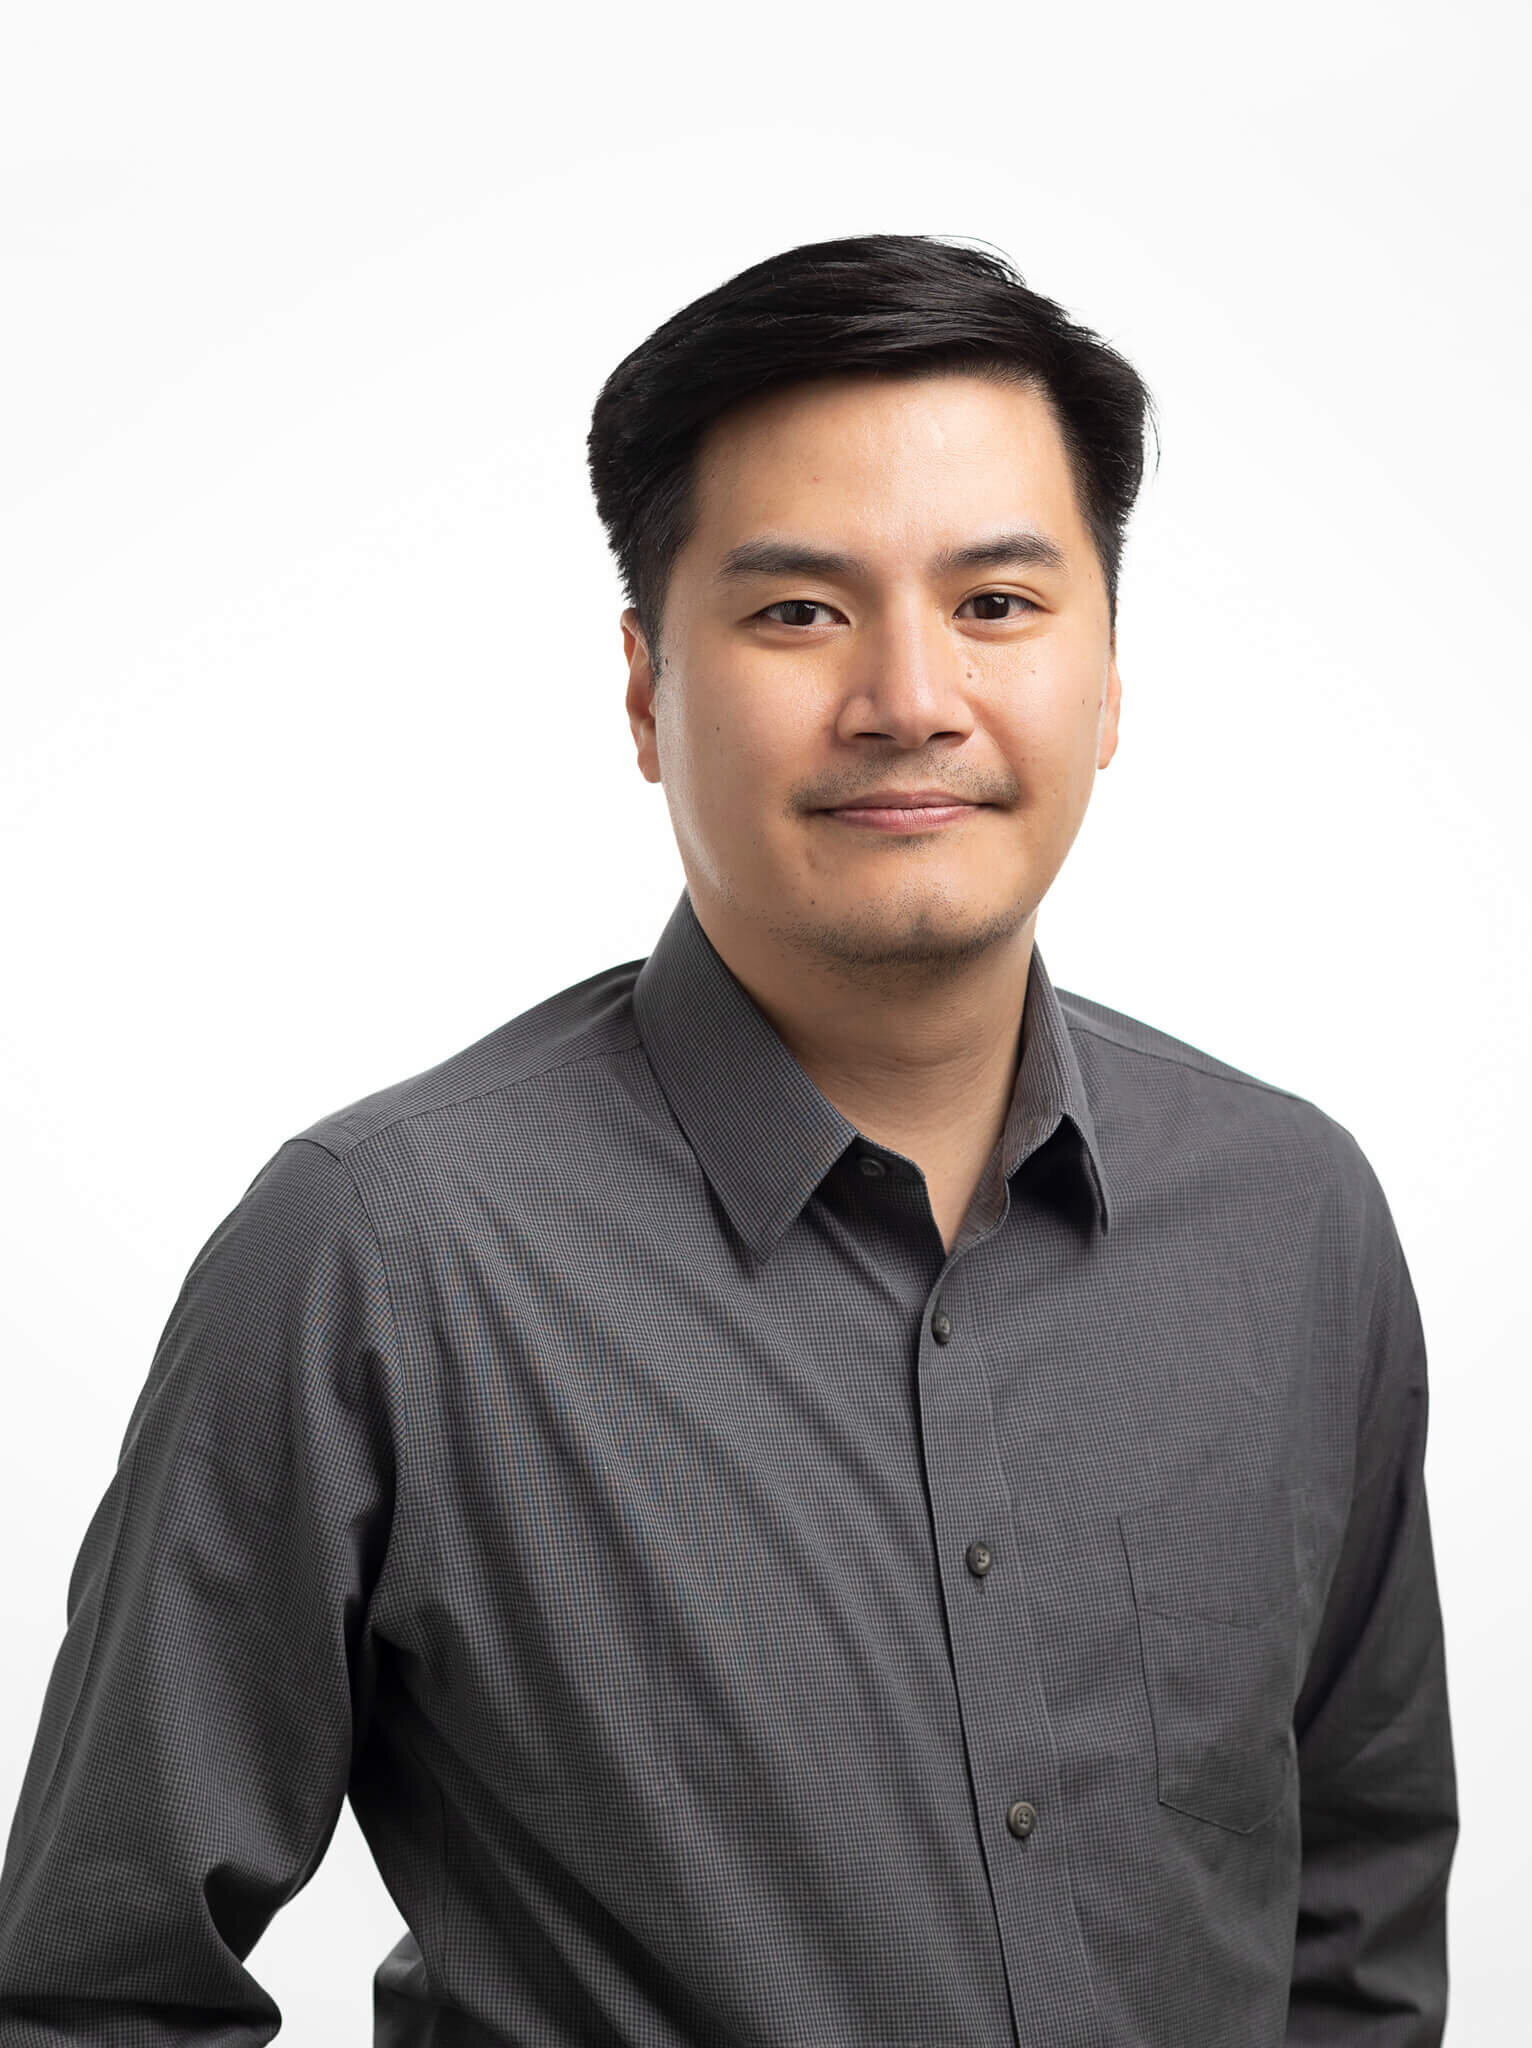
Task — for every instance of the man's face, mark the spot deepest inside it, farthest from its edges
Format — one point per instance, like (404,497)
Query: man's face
(787,691)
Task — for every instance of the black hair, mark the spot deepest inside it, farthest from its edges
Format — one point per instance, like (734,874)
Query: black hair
(865,305)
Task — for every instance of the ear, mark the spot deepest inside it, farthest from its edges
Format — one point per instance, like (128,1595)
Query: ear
(640,697)
(1111,704)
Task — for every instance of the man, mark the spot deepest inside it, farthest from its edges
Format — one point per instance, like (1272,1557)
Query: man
(812,1488)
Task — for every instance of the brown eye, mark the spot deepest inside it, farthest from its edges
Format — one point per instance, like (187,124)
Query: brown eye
(1001,597)
(793,604)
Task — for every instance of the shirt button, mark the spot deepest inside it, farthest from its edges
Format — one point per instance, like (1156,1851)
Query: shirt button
(1021,1818)
(873,1168)
(978,1559)
(941,1326)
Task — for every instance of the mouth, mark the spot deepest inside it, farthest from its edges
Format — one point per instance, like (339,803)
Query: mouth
(904,818)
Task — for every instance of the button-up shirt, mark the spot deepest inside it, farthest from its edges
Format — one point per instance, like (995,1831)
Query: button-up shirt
(738,1620)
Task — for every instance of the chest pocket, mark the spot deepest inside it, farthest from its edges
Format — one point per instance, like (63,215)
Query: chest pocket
(1215,1587)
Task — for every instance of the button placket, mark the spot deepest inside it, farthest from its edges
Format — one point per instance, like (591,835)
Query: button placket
(1021,1814)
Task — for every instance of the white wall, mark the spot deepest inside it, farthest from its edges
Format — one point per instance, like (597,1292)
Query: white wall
(310,652)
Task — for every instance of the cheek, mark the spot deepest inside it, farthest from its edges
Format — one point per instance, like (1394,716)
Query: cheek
(728,771)
(1056,709)
(1048,735)
(760,739)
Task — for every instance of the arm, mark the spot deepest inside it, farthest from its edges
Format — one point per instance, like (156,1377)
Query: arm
(1377,1784)
(197,1730)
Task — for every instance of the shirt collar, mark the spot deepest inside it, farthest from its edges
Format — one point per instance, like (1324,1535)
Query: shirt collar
(763,1132)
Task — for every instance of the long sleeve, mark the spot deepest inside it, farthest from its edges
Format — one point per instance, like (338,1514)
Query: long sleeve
(197,1730)
(1377,1781)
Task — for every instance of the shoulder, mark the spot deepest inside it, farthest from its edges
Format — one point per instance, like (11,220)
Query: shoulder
(588,1022)
(1168,1107)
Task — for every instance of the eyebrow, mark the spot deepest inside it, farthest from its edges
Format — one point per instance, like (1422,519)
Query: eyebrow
(771,557)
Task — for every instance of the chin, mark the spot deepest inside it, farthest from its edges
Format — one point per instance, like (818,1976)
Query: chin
(942,922)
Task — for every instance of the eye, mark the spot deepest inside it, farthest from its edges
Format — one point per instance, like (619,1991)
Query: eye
(1000,597)
(802,604)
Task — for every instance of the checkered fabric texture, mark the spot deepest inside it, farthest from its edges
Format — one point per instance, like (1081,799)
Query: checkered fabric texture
(737,1621)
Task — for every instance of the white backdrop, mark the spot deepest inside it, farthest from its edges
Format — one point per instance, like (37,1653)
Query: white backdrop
(307,308)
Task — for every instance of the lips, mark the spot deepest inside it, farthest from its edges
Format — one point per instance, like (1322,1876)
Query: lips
(903,817)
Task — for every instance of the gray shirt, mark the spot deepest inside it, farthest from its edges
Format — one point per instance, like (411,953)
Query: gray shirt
(733,1618)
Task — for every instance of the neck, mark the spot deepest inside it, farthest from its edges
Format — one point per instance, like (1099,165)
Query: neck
(920,1055)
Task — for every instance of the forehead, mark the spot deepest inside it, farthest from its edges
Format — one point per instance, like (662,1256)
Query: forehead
(890,453)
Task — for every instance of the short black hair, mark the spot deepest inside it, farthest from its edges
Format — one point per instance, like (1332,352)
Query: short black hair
(896,305)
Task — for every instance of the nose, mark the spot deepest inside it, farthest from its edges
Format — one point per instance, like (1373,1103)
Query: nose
(908,677)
